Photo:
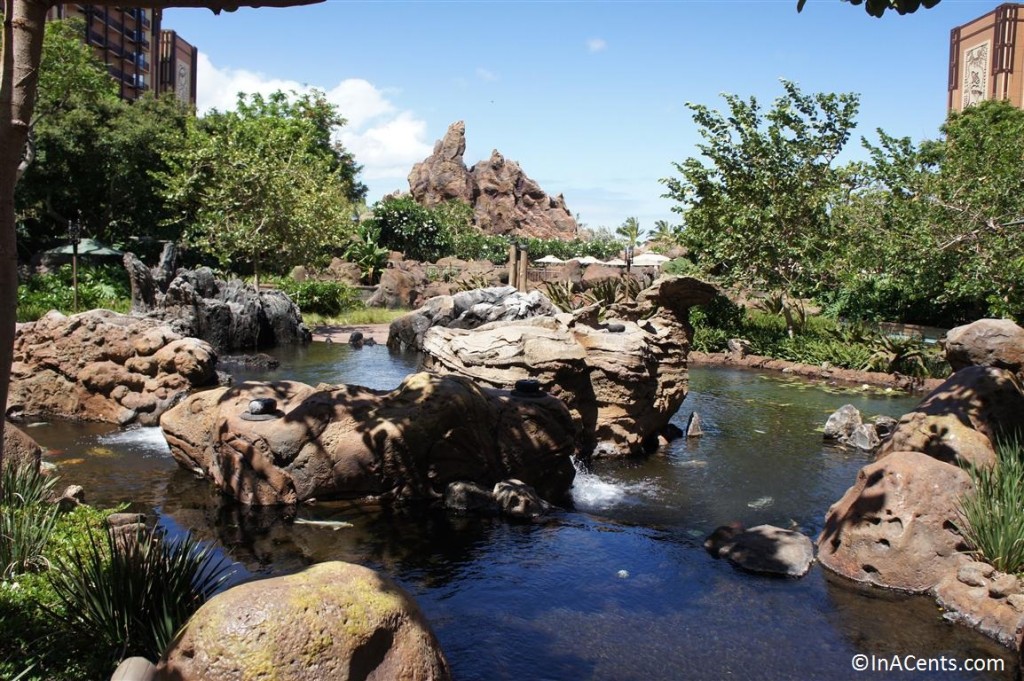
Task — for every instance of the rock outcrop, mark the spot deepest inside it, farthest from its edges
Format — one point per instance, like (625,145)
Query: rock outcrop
(352,442)
(764,549)
(622,379)
(20,449)
(986,342)
(228,315)
(504,199)
(104,366)
(331,621)
(467,310)
(959,420)
(894,527)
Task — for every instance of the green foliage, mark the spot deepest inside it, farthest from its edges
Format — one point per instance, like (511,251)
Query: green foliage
(757,204)
(611,291)
(328,298)
(563,295)
(630,231)
(262,184)
(877,8)
(991,519)
(365,250)
(104,286)
(26,520)
(414,230)
(721,313)
(131,595)
(475,245)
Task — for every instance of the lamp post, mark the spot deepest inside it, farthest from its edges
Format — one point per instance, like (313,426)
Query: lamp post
(74,235)
(629,258)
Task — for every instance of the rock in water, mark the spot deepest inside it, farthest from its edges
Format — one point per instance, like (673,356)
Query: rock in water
(331,621)
(842,423)
(693,428)
(771,550)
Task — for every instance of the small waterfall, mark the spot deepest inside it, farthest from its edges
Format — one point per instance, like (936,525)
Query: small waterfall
(592,493)
(146,440)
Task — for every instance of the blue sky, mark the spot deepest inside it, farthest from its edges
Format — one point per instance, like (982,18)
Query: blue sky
(588,97)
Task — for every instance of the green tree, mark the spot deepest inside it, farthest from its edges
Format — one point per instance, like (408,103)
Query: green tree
(21,50)
(258,185)
(418,232)
(757,205)
(878,8)
(630,231)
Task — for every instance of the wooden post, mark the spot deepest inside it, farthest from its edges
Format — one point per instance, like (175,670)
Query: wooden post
(513,265)
(524,262)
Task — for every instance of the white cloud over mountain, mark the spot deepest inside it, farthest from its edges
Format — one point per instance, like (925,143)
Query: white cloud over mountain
(385,140)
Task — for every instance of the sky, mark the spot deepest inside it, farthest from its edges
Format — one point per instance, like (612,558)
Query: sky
(588,97)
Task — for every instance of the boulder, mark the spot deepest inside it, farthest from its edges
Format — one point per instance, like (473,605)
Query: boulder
(331,621)
(621,384)
(516,499)
(104,366)
(960,419)
(765,549)
(228,315)
(986,342)
(20,449)
(982,599)
(467,310)
(400,287)
(894,527)
(504,199)
(841,424)
(865,437)
(345,442)
(344,271)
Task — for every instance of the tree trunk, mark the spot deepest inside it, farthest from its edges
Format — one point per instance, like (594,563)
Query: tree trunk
(24,25)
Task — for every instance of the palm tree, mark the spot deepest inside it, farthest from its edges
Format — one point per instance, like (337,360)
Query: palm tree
(664,233)
(630,231)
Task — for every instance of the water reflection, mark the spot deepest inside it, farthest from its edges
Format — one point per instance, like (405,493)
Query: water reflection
(546,601)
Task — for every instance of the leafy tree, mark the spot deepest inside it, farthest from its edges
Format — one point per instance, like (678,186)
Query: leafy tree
(257,185)
(877,8)
(665,235)
(21,49)
(630,231)
(757,205)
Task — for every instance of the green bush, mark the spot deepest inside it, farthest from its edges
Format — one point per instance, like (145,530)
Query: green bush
(720,313)
(991,519)
(329,298)
(414,230)
(104,286)
(26,520)
(131,594)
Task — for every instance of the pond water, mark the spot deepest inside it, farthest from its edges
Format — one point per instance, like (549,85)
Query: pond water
(619,587)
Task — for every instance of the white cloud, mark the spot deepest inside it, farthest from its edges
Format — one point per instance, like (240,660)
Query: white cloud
(384,140)
(596,45)
(486,76)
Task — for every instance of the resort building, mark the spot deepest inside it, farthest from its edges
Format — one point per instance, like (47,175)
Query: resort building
(139,55)
(985,59)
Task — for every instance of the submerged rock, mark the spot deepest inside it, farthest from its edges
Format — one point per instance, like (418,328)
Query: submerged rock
(331,621)
(842,423)
(352,442)
(769,550)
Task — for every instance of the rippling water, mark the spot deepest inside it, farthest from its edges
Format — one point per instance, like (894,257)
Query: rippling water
(618,587)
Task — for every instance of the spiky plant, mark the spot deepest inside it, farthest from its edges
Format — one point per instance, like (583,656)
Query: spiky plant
(132,593)
(991,519)
(26,520)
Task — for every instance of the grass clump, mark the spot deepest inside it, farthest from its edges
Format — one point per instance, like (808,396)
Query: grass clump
(991,519)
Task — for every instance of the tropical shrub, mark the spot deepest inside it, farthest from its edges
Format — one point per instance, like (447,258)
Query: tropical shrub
(26,520)
(103,286)
(328,298)
(131,594)
(413,230)
(991,519)
(365,251)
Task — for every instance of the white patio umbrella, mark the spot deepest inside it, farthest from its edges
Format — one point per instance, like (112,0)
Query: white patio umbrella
(588,260)
(616,262)
(650,260)
(550,260)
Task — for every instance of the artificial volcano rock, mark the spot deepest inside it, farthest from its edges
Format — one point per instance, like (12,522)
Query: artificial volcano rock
(622,379)
(504,199)
(349,442)
(104,366)
(229,315)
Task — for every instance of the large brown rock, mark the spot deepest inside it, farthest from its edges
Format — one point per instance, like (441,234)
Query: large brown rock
(20,449)
(401,286)
(352,442)
(331,621)
(894,527)
(622,380)
(104,366)
(504,199)
(986,342)
(959,420)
